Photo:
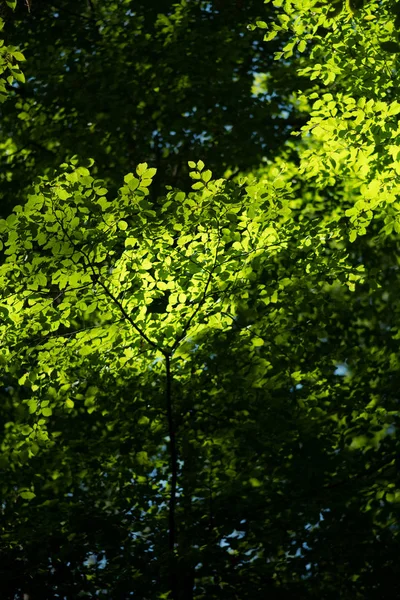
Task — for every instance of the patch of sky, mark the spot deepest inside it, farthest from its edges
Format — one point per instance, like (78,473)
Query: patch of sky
(298,386)
(341,370)
(235,534)
(93,561)
(156,360)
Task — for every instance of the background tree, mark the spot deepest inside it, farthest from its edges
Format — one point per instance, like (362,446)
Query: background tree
(10,73)
(126,82)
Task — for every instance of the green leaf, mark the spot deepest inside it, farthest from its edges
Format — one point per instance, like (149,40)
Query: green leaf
(27,495)
(146,264)
(141,169)
(101,191)
(62,194)
(302,45)
(128,177)
(32,405)
(255,482)
(145,183)
(18,75)
(149,173)
(18,56)
(130,242)
(142,458)
(11,219)
(198,185)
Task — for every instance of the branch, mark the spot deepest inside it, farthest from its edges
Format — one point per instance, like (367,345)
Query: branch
(91,7)
(110,295)
(189,321)
(123,311)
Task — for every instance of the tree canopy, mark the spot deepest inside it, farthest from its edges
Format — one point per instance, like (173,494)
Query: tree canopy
(199,309)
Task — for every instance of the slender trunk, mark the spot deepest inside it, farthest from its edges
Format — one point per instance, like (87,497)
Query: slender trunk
(186,533)
(172,529)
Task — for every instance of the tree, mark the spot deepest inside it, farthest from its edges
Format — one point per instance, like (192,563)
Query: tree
(200,386)
(154,82)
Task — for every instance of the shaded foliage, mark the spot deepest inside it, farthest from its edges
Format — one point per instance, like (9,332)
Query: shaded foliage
(145,81)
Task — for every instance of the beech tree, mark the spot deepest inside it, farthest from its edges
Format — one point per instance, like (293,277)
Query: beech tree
(200,383)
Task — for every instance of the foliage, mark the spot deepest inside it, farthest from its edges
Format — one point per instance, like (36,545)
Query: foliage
(200,386)
(353,121)
(9,58)
(155,82)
